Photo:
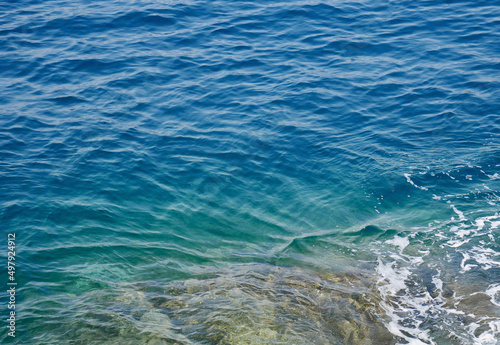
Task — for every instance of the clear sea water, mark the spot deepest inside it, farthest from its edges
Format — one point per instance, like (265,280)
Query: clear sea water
(251,172)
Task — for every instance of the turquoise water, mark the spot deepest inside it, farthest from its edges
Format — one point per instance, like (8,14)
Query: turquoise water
(299,172)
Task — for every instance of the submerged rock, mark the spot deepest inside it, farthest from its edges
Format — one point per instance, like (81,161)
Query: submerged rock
(272,305)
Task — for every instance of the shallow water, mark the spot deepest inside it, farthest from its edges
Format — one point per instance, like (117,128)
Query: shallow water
(173,169)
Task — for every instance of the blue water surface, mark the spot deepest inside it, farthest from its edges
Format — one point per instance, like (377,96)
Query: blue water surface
(147,145)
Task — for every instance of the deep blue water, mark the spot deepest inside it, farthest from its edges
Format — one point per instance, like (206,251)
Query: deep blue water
(251,172)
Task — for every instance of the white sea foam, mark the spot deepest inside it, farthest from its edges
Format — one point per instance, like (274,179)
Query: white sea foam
(494,293)
(411,309)
(488,337)
(438,283)
(466,267)
(401,242)
(495,176)
(460,214)
(409,180)
(485,257)
(397,300)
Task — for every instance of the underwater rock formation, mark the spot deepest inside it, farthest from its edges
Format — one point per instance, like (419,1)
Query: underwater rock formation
(272,305)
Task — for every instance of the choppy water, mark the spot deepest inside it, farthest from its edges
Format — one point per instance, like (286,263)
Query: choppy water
(252,172)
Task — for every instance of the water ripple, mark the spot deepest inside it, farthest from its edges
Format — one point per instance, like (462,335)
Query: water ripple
(158,141)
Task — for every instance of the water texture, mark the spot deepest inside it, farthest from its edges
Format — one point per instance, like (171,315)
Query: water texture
(251,172)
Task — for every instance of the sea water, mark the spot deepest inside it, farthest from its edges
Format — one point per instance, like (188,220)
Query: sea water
(251,172)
